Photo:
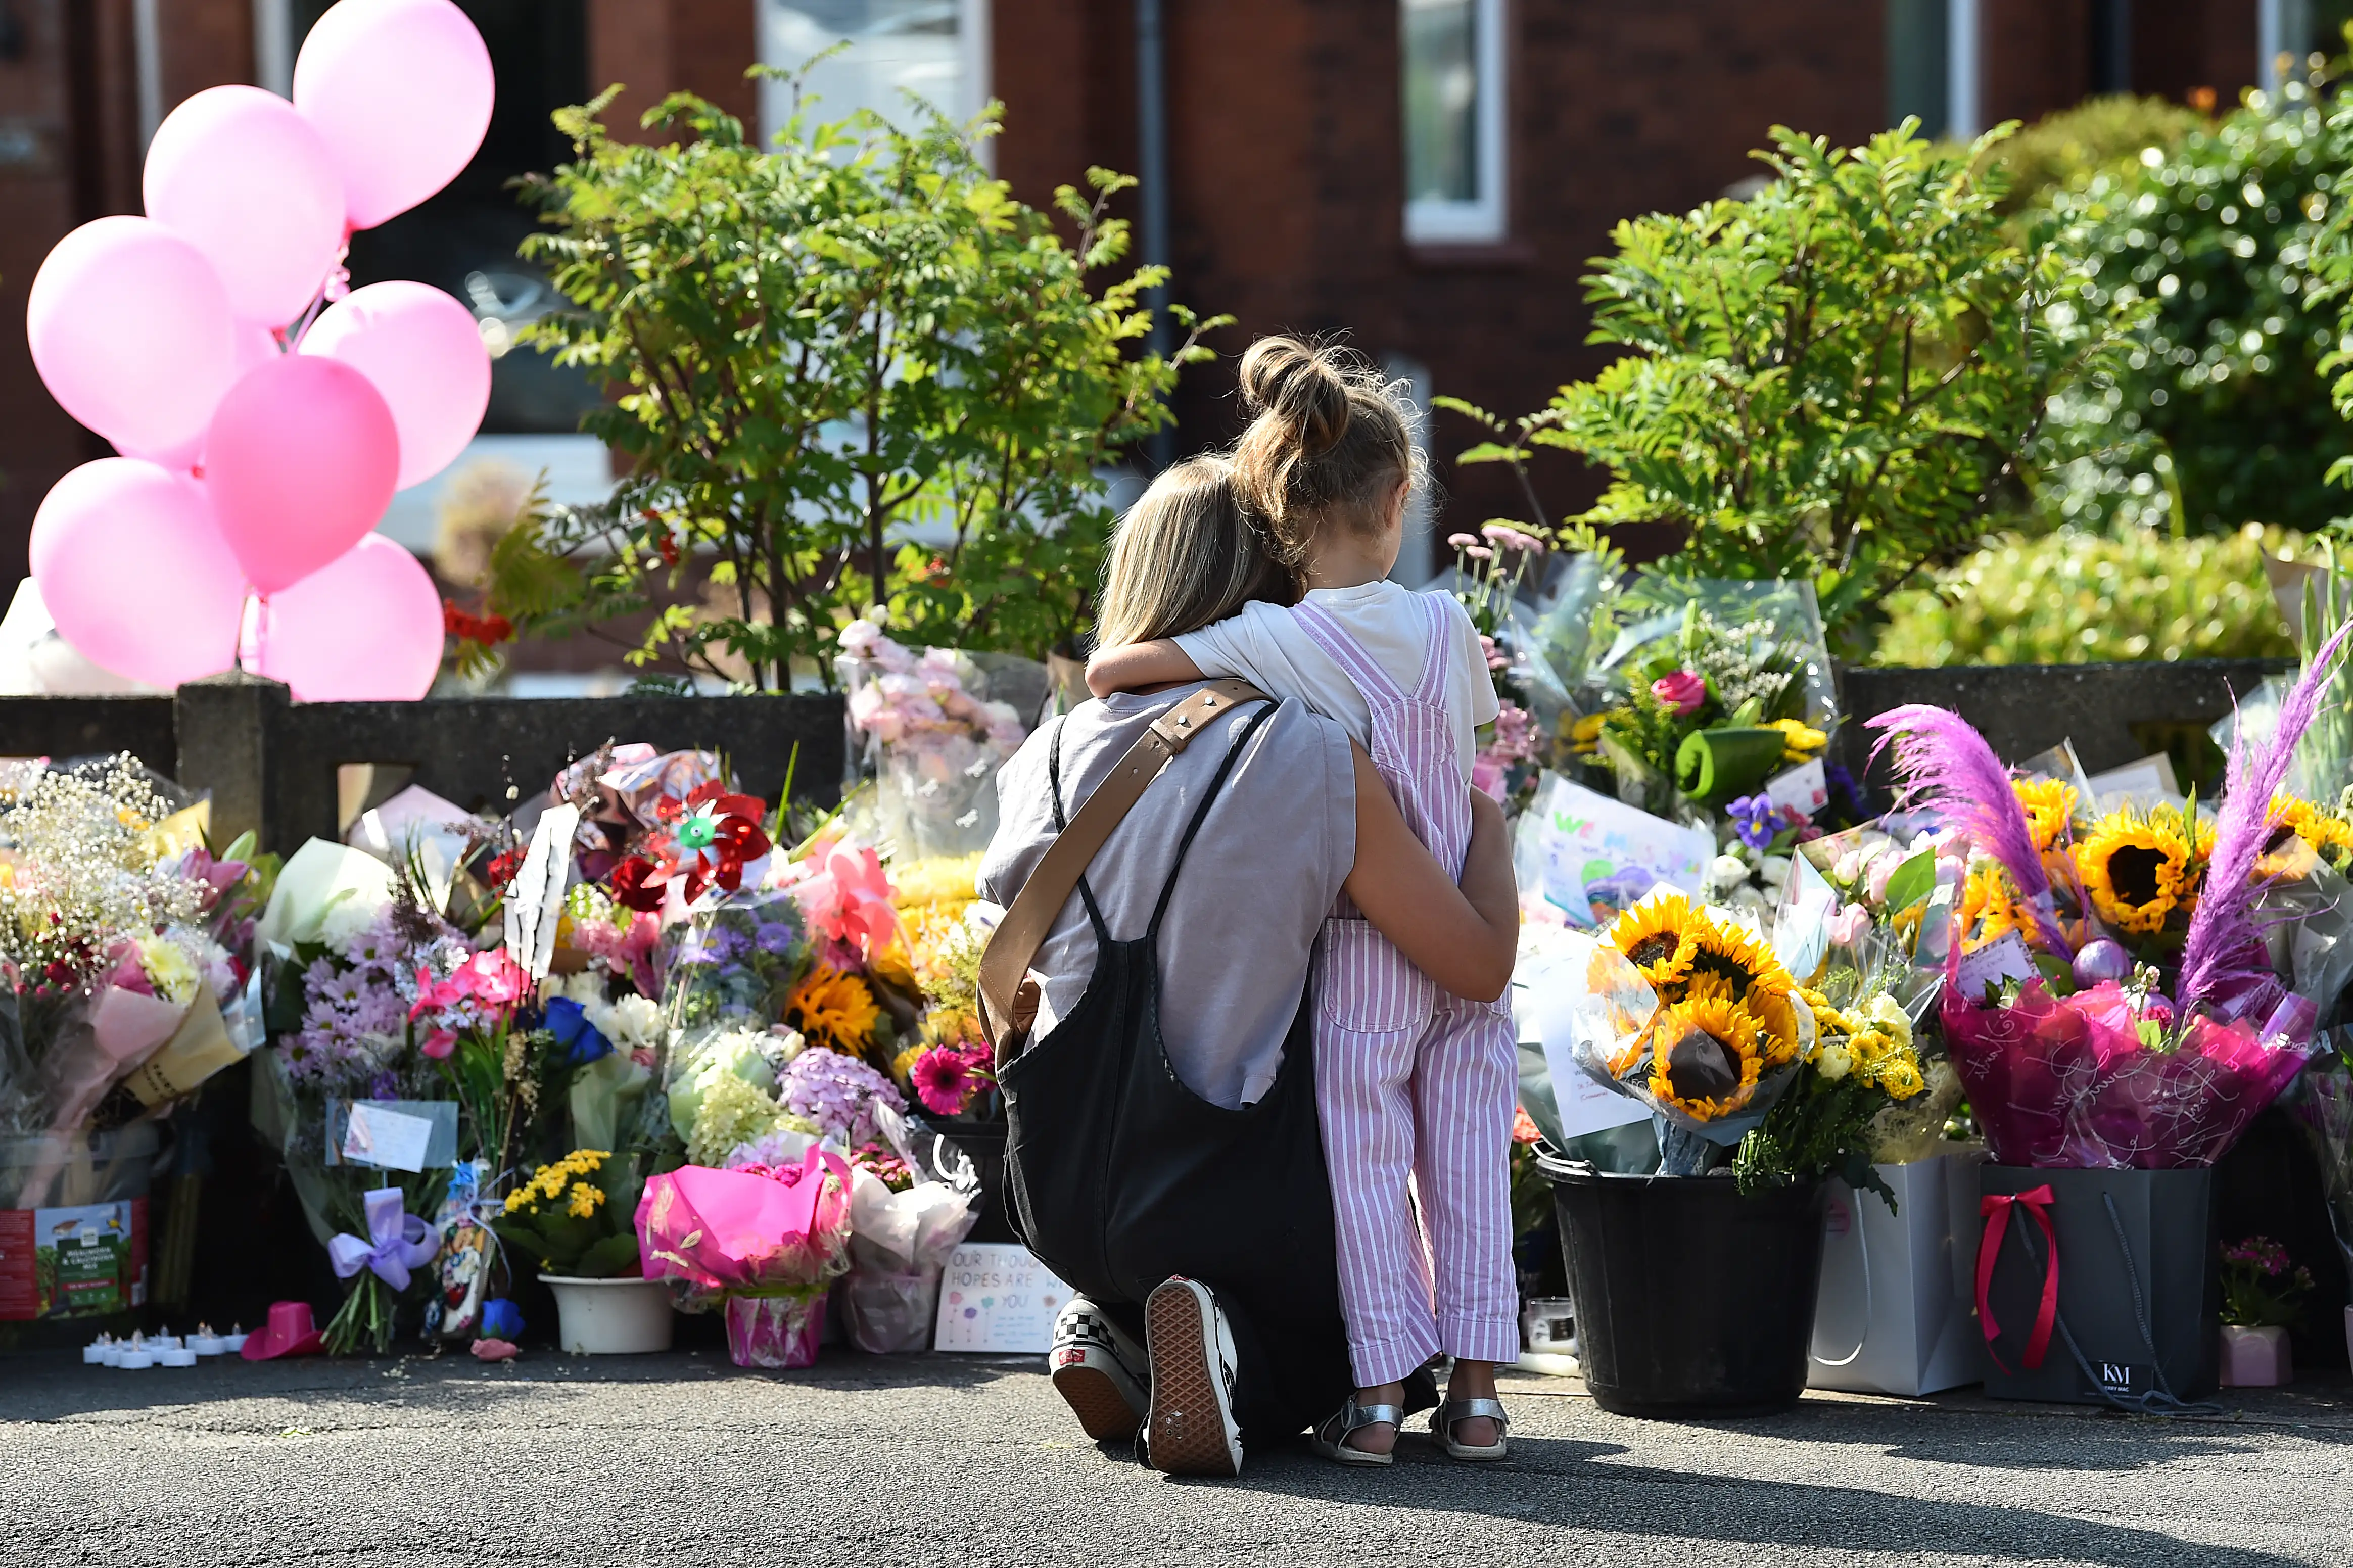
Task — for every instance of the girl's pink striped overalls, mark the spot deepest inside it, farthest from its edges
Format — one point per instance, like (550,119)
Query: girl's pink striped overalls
(1411,1081)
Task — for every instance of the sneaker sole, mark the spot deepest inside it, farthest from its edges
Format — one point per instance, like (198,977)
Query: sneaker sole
(1097,1402)
(1187,1422)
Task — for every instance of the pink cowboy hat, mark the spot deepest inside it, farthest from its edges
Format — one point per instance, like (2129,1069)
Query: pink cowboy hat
(289,1333)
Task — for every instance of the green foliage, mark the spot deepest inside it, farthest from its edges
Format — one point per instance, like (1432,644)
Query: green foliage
(1820,1128)
(2075,597)
(2219,414)
(855,357)
(2061,152)
(1835,379)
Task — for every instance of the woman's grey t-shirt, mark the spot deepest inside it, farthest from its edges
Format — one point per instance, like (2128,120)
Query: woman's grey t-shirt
(1278,843)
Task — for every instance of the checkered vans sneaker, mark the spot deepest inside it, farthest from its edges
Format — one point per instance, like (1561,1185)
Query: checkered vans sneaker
(1098,1371)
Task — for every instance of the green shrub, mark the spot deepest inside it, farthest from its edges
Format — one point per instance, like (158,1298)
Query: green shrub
(2222,402)
(2075,597)
(2062,151)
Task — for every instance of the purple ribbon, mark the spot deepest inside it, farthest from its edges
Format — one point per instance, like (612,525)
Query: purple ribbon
(397,1241)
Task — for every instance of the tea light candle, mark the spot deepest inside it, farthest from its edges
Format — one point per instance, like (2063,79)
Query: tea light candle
(94,1353)
(204,1341)
(233,1340)
(177,1356)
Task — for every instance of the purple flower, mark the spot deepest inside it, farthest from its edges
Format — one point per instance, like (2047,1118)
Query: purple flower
(775,936)
(1756,818)
(385,1085)
(835,1092)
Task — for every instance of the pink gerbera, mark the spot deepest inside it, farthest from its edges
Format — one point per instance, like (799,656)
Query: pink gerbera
(943,1082)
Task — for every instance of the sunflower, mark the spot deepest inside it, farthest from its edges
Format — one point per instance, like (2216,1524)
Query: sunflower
(1731,954)
(1988,909)
(2137,871)
(1705,1058)
(2301,835)
(1660,936)
(2048,804)
(833,1009)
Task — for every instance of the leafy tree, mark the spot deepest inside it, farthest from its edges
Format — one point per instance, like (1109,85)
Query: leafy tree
(2218,414)
(1837,379)
(853,369)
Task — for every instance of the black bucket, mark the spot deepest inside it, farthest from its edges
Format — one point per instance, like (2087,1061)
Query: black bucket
(1692,1300)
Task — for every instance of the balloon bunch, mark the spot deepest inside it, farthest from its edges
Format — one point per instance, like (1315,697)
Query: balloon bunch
(265,412)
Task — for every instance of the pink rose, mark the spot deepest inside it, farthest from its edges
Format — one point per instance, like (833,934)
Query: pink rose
(1848,925)
(1685,691)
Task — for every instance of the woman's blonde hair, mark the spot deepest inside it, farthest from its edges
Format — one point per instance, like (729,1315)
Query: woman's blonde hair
(1330,441)
(1185,555)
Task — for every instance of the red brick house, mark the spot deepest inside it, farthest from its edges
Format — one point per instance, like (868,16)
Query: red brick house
(1427,176)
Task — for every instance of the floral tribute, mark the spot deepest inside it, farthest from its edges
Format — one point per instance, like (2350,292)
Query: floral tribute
(2114,999)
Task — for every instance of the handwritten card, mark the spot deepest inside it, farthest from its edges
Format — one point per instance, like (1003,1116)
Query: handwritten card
(1590,856)
(379,1135)
(1804,789)
(996,1296)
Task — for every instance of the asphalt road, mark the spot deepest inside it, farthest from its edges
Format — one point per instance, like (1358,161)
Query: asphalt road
(684,1459)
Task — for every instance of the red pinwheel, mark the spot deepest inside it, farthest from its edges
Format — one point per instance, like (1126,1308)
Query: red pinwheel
(705,840)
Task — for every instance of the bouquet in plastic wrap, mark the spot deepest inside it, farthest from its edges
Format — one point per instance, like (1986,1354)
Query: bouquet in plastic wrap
(123,957)
(932,727)
(760,1243)
(1690,1012)
(2075,1052)
(907,1212)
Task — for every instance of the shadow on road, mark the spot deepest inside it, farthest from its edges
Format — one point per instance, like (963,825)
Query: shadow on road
(1572,1484)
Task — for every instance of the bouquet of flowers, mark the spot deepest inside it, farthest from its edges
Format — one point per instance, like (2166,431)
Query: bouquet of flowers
(2261,1288)
(1490,568)
(906,1214)
(121,954)
(760,1243)
(570,1221)
(926,727)
(2074,1051)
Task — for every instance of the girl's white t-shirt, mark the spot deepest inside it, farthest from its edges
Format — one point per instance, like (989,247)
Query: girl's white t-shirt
(1267,645)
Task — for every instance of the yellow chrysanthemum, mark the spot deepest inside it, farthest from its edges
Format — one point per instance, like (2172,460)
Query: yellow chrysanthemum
(2136,871)
(833,1009)
(1660,936)
(2048,804)
(948,879)
(1705,1058)
(1585,734)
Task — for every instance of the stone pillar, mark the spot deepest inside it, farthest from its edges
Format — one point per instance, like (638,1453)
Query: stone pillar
(224,723)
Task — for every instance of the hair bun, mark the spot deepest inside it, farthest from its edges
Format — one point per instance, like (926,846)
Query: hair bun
(1301,386)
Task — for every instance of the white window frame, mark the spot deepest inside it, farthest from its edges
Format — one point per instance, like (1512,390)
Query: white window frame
(1431,221)
(973,51)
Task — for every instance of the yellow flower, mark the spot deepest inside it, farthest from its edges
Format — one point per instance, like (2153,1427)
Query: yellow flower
(1901,1077)
(1705,1058)
(833,1009)
(948,879)
(2137,871)
(1585,734)
(1888,1017)
(1799,740)
(1834,1062)
(585,1199)
(1659,936)
(904,1062)
(1730,951)
(2048,803)
(169,970)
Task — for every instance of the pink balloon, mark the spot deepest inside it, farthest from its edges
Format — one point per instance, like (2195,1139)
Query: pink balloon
(245,179)
(401,89)
(135,573)
(423,352)
(365,629)
(132,332)
(301,463)
(254,346)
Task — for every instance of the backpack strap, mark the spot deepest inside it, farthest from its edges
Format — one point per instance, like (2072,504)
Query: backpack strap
(1008,997)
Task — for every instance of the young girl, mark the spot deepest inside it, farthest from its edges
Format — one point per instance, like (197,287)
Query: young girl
(1411,1082)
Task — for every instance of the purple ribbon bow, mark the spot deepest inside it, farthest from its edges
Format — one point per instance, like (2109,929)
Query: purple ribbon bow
(397,1242)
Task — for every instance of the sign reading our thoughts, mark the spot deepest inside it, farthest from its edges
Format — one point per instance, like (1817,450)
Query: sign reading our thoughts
(1590,856)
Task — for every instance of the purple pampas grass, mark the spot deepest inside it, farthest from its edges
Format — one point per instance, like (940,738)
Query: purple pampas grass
(2223,937)
(1947,768)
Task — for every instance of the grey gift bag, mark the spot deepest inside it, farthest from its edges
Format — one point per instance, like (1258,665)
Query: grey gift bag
(2137,1294)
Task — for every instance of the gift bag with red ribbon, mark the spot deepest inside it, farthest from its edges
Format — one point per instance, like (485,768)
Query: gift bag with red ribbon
(2092,1287)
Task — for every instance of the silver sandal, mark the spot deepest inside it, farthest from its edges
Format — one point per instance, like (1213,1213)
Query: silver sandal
(1331,1438)
(1449,1411)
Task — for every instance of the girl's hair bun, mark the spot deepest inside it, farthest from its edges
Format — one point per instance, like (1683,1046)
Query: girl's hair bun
(1301,387)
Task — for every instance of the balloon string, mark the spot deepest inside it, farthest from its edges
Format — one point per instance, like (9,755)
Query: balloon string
(294,335)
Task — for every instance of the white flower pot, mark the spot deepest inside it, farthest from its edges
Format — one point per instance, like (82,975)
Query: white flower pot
(611,1316)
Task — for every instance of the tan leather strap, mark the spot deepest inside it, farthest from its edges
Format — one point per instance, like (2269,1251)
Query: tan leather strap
(1008,997)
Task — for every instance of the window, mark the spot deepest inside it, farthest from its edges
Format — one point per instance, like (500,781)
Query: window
(1454,173)
(936,49)
(1932,65)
